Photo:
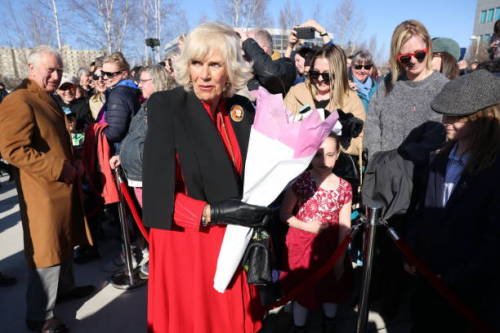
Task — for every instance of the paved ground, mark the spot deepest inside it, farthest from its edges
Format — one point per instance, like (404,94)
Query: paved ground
(113,310)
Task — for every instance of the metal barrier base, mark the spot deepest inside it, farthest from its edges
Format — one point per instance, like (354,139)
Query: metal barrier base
(122,280)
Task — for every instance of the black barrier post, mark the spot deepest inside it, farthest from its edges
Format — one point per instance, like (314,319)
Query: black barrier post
(128,278)
(373,215)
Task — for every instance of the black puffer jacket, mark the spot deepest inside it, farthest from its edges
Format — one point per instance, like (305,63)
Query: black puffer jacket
(122,103)
(277,76)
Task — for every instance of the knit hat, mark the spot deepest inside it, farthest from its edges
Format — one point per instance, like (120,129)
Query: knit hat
(468,94)
(447,45)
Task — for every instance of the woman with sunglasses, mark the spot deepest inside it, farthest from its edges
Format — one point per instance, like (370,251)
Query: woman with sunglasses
(361,72)
(400,105)
(96,101)
(403,102)
(122,98)
(327,87)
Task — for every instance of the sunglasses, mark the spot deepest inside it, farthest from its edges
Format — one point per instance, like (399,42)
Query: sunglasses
(110,74)
(315,76)
(97,77)
(367,67)
(405,59)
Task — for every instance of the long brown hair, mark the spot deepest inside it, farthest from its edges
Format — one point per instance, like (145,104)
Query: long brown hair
(449,66)
(339,85)
(484,139)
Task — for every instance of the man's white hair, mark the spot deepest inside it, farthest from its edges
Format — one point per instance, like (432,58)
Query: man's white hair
(37,52)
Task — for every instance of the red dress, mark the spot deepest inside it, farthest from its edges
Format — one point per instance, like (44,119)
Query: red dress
(181,297)
(307,252)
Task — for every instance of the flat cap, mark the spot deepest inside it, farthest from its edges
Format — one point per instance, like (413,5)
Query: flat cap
(468,94)
(447,45)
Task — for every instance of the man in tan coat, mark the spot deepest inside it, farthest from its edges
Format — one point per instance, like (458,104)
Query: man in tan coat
(35,140)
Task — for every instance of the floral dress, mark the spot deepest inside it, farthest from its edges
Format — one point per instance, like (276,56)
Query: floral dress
(307,252)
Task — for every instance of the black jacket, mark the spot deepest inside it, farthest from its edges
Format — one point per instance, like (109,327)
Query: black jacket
(80,109)
(178,125)
(277,76)
(122,103)
(460,241)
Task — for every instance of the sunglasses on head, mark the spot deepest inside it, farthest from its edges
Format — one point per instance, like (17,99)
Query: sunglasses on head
(405,59)
(315,76)
(110,74)
(367,67)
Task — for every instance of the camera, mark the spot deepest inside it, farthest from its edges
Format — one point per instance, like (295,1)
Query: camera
(305,33)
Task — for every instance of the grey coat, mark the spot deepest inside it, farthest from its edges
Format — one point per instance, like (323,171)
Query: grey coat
(132,145)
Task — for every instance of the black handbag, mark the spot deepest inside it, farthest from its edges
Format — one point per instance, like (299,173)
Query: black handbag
(257,259)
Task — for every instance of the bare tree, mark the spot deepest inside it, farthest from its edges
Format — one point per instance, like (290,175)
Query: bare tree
(29,26)
(316,12)
(290,15)
(57,25)
(102,23)
(347,23)
(244,13)
(477,52)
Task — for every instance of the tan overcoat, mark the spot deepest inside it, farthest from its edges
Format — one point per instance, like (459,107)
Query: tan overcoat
(299,96)
(34,138)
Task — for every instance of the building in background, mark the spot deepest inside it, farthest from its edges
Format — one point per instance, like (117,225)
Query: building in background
(487,12)
(13,61)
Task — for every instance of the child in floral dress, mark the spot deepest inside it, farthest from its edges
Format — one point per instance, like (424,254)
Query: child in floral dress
(317,208)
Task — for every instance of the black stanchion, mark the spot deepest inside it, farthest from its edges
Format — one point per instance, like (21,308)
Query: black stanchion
(128,278)
(373,215)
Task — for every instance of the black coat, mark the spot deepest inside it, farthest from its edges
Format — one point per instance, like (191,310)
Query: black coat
(277,76)
(122,103)
(178,125)
(461,241)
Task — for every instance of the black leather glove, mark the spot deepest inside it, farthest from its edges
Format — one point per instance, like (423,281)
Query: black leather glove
(233,211)
(351,128)
(351,125)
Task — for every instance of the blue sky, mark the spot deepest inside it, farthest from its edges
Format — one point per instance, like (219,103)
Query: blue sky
(443,18)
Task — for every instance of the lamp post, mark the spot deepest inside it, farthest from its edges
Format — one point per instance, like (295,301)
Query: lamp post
(153,43)
(477,39)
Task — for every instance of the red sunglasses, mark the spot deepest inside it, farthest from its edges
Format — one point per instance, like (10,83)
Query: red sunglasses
(405,59)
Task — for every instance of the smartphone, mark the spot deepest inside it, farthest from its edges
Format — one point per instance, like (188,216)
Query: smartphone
(305,33)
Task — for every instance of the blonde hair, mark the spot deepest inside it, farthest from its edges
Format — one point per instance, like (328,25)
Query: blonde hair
(337,68)
(484,139)
(404,32)
(204,39)
(118,59)
(161,79)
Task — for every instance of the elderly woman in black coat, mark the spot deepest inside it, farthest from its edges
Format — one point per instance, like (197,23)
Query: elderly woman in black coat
(192,184)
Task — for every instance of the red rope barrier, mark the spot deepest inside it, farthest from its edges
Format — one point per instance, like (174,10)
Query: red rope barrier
(325,269)
(438,284)
(133,209)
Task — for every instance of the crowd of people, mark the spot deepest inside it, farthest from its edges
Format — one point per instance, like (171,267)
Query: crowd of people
(180,132)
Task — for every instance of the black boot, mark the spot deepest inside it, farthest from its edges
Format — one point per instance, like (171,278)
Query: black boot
(298,329)
(328,324)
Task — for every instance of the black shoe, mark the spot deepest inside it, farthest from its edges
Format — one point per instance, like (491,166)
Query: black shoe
(75,293)
(6,281)
(328,324)
(85,254)
(52,325)
(298,329)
